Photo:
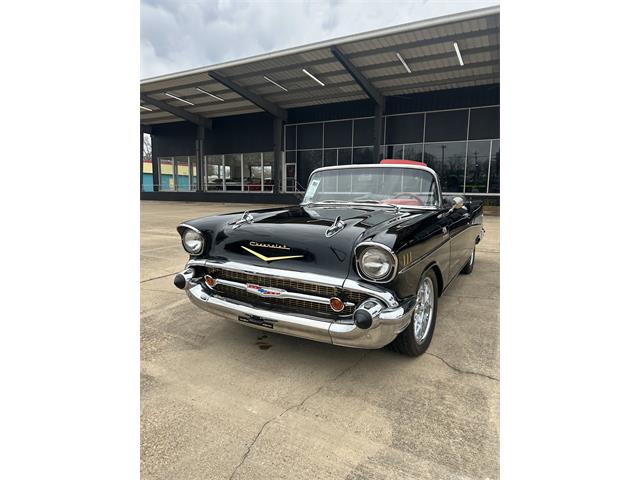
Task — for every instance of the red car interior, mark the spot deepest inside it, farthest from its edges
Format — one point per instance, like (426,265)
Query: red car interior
(414,200)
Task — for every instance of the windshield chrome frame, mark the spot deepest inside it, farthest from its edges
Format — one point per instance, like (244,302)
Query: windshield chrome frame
(378,165)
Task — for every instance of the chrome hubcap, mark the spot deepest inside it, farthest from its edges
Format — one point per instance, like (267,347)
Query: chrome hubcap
(473,256)
(423,313)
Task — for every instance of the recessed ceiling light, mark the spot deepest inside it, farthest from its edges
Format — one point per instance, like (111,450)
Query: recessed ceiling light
(178,98)
(403,62)
(455,45)
(275,83)
(210,94)
(314,78)
(146,108)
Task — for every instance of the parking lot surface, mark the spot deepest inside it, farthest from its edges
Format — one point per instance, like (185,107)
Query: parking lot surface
(222,401)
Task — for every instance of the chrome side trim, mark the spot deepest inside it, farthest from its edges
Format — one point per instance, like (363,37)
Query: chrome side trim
(394,268)
(281,293)
(422,257)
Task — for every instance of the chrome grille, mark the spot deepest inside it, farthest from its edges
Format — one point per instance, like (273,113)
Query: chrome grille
(289,285)
(285,284)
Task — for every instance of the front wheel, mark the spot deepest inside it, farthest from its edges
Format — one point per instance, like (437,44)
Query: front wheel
(415,339)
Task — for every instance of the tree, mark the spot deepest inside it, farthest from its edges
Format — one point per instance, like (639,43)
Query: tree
(146,147)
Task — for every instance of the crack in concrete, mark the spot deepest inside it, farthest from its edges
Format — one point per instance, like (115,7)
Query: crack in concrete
(156,278)
(292,407)
(459,370)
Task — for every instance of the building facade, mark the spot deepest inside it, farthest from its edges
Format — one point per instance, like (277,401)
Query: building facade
(455,132)
(253,130)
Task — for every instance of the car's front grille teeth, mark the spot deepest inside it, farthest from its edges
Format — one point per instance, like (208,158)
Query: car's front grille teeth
(288,303)
(283,283)
(291,286)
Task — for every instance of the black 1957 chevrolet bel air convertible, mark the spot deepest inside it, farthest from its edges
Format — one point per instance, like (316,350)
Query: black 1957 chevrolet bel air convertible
(360,262)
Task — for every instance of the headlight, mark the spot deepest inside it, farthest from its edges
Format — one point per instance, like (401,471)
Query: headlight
(376,263)
(192,241)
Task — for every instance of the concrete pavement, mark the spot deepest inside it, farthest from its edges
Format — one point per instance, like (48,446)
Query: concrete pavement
(221,401)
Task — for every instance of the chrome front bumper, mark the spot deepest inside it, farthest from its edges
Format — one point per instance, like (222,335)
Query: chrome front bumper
(386,323)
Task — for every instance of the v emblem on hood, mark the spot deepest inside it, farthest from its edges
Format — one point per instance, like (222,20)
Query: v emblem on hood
(270,259)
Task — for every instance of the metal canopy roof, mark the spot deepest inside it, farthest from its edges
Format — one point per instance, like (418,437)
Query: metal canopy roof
(426,46)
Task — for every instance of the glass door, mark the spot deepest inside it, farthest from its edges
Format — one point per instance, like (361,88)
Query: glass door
(252,172)
(290,177)
(166,174)
(183,177)
(267,179)
(215,173)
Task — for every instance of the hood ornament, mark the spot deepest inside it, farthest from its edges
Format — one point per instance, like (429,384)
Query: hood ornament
(246,218)
(338,225)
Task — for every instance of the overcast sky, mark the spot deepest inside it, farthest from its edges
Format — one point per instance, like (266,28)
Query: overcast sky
(181,34)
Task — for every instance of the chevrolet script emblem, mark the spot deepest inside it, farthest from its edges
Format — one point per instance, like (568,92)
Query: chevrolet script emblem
(270,259)
(269,245)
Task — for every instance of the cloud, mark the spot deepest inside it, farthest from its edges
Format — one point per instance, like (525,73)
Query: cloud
(181,34)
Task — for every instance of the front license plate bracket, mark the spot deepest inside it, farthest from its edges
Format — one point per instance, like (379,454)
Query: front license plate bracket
(253,320)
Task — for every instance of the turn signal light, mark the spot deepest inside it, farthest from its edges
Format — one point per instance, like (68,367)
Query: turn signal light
(336,304)
(210,281)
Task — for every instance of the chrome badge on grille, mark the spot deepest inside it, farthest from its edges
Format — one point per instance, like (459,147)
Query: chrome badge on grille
(264,291)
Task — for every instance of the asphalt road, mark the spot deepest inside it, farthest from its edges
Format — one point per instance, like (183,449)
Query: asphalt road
(221,401)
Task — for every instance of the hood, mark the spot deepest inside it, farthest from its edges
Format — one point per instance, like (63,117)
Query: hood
(293,238)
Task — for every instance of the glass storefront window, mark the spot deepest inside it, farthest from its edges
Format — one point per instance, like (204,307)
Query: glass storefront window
(448,160)
(308,161)
(363,155)
(290,172)
(252,172)
(215,172)
(477,166)
(166,174)
(392,151)
(403,129)
(267,168)
(178,174)
(233,162)
(330,157)
(413,151)
(147,163)
(494,167)
(348,141)
(182,171)
(344,156)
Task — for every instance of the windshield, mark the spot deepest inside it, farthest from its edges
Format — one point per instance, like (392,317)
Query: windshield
(376,185)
